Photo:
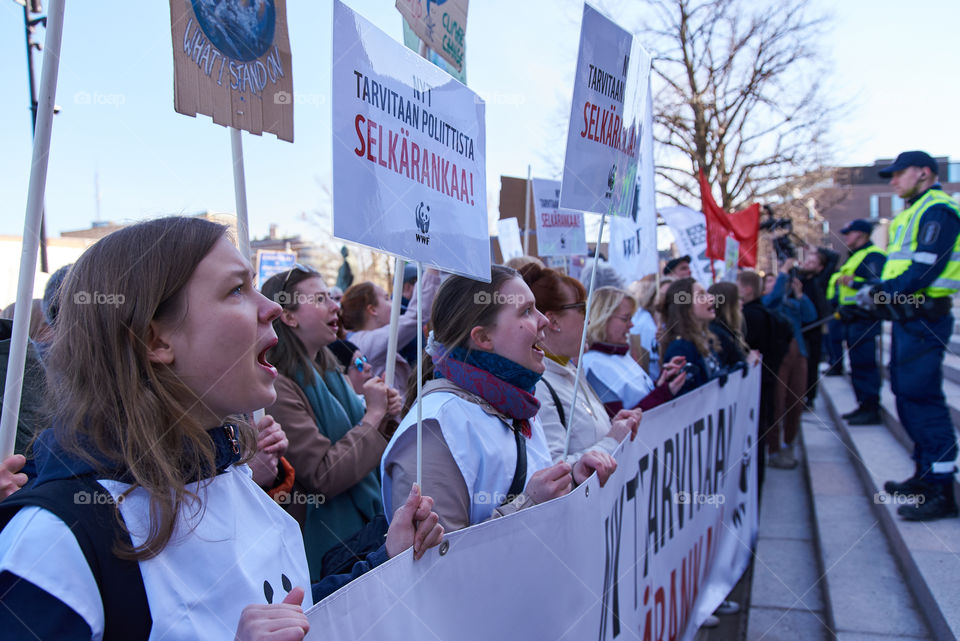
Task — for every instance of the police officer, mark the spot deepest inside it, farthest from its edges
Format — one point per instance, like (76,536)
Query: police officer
(921,274)
(860,327)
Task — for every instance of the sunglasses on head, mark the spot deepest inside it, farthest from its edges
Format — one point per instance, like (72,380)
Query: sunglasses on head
(582,306)
(296,267)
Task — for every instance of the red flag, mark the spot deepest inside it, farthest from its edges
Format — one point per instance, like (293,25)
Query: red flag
(717,227)
(743,225)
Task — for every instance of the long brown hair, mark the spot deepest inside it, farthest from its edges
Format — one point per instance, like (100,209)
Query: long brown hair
(678,321)
(354,303)
(112,406)
(726,298)
(460,305)
(290,355)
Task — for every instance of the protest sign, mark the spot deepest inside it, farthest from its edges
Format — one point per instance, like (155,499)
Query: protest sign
(559,232)
(730,259)
(508,235)
(231,61)
(441,25)
(409,172)
(648,556)
(606,118)
(273,262)
(689,229)
(633,239)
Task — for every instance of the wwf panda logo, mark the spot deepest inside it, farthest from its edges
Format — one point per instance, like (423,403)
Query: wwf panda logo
(422,214)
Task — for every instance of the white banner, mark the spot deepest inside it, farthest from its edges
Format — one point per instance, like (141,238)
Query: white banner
(409,171)
(559,232)
(609,94)
(508,235)
(649,556)
(689,229)
(633,239)
(730,259)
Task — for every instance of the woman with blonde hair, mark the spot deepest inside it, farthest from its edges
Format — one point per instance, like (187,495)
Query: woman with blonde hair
(616,377)
(643,334)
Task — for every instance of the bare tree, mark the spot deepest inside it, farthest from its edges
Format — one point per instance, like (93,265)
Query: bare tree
(741,96)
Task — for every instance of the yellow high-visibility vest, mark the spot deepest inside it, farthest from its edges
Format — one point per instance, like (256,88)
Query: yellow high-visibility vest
(902,250)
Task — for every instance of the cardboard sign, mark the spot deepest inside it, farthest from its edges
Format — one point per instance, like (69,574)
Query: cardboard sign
(273,262)
(508,234)
(409,170)
(441,24)
(606,118)
(231,61)
(559,232)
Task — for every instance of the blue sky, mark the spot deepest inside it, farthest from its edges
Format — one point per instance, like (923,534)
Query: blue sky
(520,58)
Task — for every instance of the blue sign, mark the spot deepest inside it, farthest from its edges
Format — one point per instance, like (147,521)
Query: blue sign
(273,262)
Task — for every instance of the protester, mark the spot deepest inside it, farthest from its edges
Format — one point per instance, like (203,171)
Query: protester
(409,351)
(678,268)
(686,312)
(366,316)
(11,478)
(617,378)
(336,294)
(607,276)
(335,440)
(562,300)
(355,365)
(788,300)
(484,451)
(173,538)
(814,274)
(727,326)
(643,334)
(520,261)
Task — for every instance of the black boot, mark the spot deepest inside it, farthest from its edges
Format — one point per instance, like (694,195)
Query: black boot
(938,503)
(852,413)
(912,485)
(834,370)
(866,416)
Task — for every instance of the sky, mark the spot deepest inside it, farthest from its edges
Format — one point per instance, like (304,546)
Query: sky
(117,125)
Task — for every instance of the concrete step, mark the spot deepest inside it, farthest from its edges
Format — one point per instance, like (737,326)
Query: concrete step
(927,554)
(787,600)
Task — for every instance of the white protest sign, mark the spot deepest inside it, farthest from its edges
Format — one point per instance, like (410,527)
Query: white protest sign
(689,229)
(409,159)
(648,556)
(633,239)
(508,235)
(606,118)
(559,232)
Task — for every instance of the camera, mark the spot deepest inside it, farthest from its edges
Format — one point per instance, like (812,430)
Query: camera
(783,227)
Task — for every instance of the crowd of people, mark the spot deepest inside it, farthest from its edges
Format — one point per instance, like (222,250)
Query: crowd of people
(200,517)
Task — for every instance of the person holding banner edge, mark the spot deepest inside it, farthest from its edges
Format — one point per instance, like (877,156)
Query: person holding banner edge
(562,300)
(484,451)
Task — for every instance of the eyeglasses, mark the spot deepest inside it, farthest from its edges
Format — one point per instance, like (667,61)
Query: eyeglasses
(359,363)
(582,306)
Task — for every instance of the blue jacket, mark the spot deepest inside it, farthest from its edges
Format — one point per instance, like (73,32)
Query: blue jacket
(702,369)
(799,311)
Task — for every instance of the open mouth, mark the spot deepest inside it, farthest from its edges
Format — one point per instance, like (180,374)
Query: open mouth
(262,358)
(334,325)
(538,347)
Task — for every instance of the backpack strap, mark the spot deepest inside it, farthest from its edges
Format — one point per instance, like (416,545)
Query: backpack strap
(520,473)
(88,509)
(556,401)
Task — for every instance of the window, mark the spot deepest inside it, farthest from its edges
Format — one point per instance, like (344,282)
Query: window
(896,204)
(874,206)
